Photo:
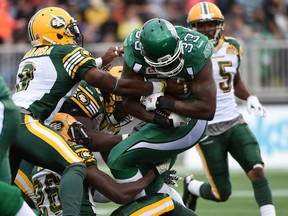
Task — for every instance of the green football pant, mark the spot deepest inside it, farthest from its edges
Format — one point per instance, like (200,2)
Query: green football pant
(156,204)
(42,146)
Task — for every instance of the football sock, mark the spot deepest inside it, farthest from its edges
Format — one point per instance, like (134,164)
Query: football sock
(263,196)
(71,189)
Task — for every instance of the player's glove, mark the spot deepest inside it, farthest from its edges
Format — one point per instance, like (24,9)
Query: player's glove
(171,179)
(254,106)
(177,120)
(162,167)
(150,101)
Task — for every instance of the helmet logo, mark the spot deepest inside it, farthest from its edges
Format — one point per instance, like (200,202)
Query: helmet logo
(83,98)
(57,125)
(57,22)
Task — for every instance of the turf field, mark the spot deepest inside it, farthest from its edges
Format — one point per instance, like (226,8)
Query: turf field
(240,203)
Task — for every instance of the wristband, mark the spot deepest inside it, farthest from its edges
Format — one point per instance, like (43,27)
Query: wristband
(99,62)
(124,136)
(159,86)
(165,103)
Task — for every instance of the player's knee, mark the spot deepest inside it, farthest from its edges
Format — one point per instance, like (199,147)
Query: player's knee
(256,172)
(224,195)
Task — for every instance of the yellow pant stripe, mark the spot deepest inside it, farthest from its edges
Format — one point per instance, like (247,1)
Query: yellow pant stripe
(52,138)
(157,208)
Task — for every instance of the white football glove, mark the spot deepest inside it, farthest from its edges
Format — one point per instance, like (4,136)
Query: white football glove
(178,120)
(150,101)
(254,106)
(163,166)
(171,178)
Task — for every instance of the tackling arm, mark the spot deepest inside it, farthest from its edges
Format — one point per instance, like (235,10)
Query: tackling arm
(105,81)
(133,105)
(118,193)
(100,140)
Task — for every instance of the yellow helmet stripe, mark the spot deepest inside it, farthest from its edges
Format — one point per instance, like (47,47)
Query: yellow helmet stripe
(56,141)
(205,8)
(157,208)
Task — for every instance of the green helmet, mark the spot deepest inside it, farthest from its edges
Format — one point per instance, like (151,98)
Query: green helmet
(161,47)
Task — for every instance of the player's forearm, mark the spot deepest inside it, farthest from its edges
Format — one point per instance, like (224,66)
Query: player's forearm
(102,141)
(130,190)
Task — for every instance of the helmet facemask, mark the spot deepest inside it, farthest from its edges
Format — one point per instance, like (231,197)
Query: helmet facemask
(115,113)
(73,30)
(217,30)
(161,47)
(70,128)
(167,66)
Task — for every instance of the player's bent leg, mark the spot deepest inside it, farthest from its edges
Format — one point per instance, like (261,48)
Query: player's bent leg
(9,127)
(252,164)
(50,150)
(156,204)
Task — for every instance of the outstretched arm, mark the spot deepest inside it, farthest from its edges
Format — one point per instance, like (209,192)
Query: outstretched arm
(116,192)
(105,81)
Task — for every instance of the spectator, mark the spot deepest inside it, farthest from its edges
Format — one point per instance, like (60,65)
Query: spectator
(7,23)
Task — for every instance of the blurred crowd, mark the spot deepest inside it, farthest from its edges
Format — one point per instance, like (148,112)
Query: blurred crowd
(112,20)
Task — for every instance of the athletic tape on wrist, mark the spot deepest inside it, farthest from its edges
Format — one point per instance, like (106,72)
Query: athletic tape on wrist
(159,86)
(99,62)
(124,136)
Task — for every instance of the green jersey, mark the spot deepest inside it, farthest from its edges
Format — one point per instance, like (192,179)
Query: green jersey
(48,74)
(153,143)
(196,47)
(5,92)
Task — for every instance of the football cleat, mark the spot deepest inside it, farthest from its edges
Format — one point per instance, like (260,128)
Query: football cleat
(189,199)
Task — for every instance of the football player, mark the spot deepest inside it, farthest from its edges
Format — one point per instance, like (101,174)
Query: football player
(227,132)
(48,73)
(11,201)
(158,51)
(46,182)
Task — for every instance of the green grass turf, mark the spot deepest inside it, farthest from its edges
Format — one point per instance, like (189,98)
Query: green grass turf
(241,202)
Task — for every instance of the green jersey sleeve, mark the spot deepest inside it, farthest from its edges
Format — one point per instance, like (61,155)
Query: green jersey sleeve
(132,54)
(75,59)
(5,92)
(197,49)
